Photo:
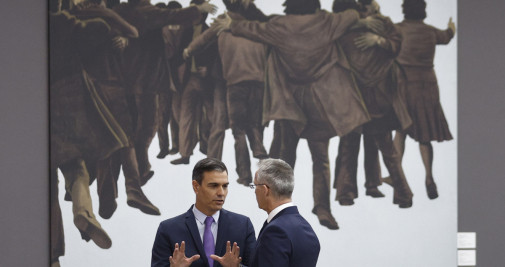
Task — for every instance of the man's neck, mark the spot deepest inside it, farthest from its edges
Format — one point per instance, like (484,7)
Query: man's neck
(204,211)
(277,203)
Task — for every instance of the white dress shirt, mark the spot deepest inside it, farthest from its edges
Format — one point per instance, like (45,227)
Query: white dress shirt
(200,223)
(276,211)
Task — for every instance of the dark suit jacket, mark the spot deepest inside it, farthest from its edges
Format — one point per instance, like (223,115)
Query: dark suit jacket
(288,240)
(232,227)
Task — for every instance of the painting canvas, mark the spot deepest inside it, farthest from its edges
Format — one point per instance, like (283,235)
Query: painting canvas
(126,211)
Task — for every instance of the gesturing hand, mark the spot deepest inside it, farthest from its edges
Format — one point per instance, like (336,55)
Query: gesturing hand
(231,257)
(178,259)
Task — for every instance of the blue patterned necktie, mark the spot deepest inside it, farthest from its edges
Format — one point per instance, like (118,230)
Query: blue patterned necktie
(208,240)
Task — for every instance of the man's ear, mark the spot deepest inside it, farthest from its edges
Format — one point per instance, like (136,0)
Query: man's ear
(267,191)
(195,186)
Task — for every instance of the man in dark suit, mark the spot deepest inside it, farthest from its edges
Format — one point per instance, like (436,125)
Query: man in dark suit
(205,230)
(286,238)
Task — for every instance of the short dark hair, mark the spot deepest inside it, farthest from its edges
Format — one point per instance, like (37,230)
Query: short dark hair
(207,165)
(343,5)
(133,2)
(236,6)
(365,2)
(250,13)
(301,7)
(112,3)
(174,5)
(199,2)
(160,5)
(414,9)
(361,6)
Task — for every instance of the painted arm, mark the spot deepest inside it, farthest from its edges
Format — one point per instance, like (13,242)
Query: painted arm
(445,36)
(199,44)
(159,17)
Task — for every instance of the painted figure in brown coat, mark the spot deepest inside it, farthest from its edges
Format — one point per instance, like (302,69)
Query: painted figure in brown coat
(143,66)
(196,97)
(243,63)
(82,129)
(370,55)
(103,67)
(346,165)
(307,92)
(172,38)
(423,100)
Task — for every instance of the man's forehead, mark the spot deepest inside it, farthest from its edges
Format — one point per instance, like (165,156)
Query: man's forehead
(215,177)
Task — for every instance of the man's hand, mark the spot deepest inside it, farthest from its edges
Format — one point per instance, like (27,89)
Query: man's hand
(231,257)
(178,259)
(368,40)
(119,43)
(222,23)
(451,25)
(185,54)
(207,7)
(371,23)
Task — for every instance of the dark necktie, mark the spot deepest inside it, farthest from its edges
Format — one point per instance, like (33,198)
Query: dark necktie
(264,224)
(208,240)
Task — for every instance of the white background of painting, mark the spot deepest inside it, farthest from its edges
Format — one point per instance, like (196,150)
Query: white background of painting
(373,232)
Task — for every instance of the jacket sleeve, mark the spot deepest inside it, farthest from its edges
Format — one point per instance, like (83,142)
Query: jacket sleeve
(205,39)
(162,249)
(263,32)
(274,248)
(443,36)
(117,22)
(159,17)
(250,243)
(340,22)
(393,38)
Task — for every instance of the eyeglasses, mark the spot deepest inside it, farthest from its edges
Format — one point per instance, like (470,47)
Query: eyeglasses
(253,185)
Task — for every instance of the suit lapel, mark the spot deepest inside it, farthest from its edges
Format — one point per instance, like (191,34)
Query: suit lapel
(264,225)
(222,237)
(288,210)
(195,235)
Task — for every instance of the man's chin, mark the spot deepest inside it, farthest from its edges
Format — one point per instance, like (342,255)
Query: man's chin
(218,205)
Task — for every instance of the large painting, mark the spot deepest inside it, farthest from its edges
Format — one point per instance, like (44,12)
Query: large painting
(363,107)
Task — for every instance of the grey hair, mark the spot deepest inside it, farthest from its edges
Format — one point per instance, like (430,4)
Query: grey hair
(278,175)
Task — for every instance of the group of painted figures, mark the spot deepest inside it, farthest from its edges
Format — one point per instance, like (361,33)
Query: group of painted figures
(120,73)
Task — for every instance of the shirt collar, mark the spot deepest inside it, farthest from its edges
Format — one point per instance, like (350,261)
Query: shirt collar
(200,216)
(276,211)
